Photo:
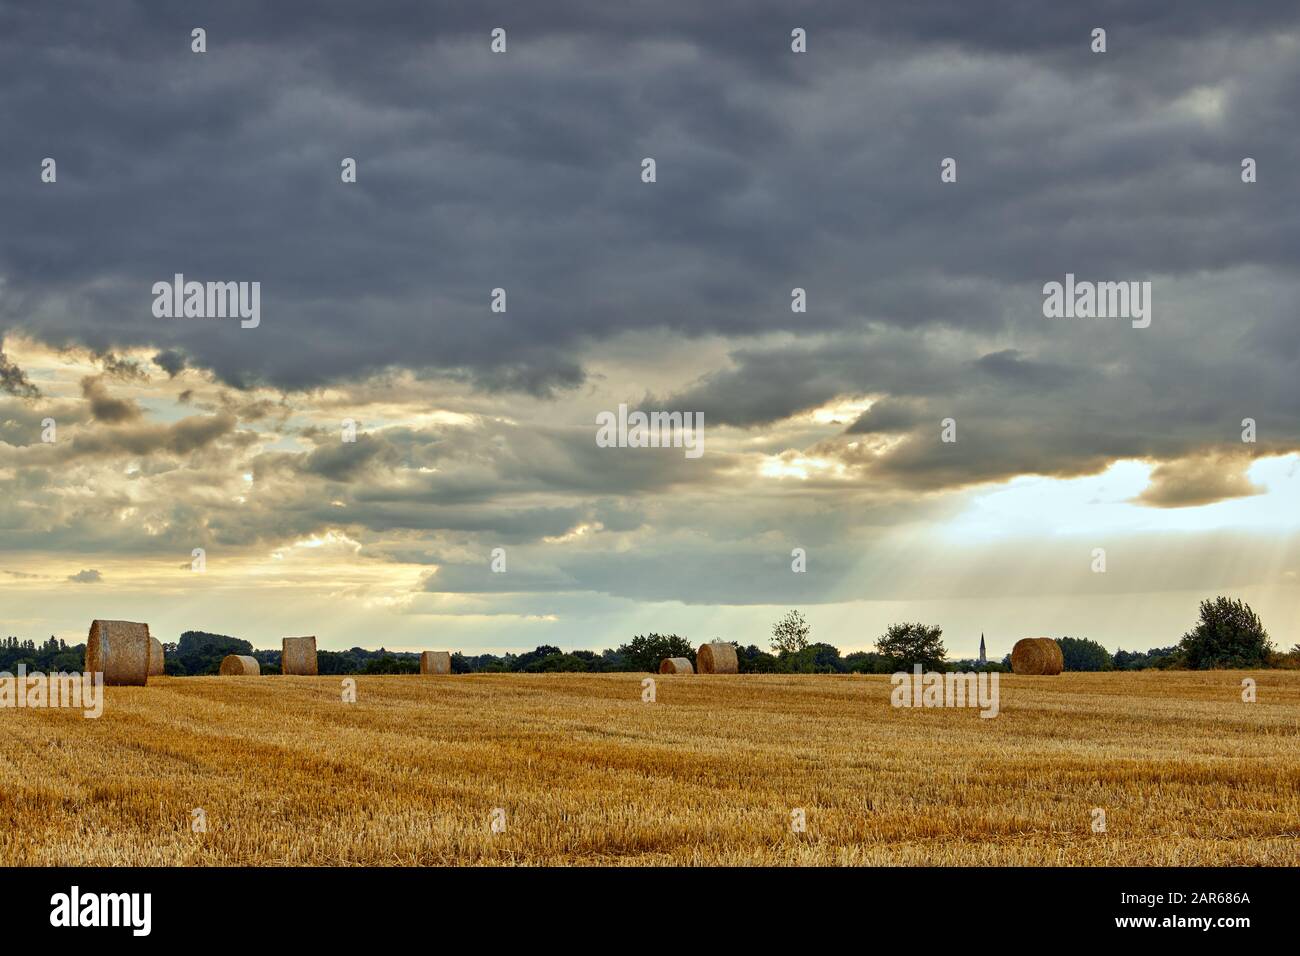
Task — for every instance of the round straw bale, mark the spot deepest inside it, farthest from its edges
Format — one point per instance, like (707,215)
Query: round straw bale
(240,665)
(717,658)
(1037,655)
(157,659)
(1058,658)
(435,662)
(120,651)
(299,656)
(676,665)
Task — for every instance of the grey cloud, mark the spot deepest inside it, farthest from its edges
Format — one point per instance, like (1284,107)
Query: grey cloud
(346,461)
(21,420)
(104,407)
(1197,481)
(520,171)
(1013,368)
(122,369)
(13,380)
(171,361)
(180,438)
(888,415)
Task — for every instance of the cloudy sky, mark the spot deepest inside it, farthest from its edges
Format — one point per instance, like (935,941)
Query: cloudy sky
(523,171)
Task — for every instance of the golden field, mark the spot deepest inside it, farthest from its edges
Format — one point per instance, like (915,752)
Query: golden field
(587,773)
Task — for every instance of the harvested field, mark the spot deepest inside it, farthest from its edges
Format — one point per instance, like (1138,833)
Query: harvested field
(587,773)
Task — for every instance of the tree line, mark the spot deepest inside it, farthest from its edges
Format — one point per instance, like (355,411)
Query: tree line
(1228,634)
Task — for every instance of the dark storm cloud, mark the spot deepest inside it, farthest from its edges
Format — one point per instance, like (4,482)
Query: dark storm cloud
(521,170)
(1075,396)
(775,171)
(1012,367)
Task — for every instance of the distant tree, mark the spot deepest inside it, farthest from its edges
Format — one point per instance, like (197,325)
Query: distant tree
(484,663)
(968,665)
(1127,660)
(552,663)
(199,652)
(391,664)
(50,657)
(790,634)
(171,666)
(1082,654)
(1167,658)
(1229,634)
(611,660)
(906,645)
(645,653)
(1289,660)
(525,662)
(1164,658)
(333,662)
(823,659)
(754,660)
(867,662)
(591,661)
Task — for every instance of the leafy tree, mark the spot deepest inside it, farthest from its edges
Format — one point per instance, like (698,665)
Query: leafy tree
(905,645)
(552,663)
(611,660)
(969,665)
(1164,658)
(1229,634)
(1126,660)
(1082,654)
(51,657)
(525,662)
(478,663)
(645,653)
(823,659)
(391,664)
(199,652)
(790,634)
(1289,660)
(1167,658)
(867,662)
(590,660)
(753,660)
(332,662)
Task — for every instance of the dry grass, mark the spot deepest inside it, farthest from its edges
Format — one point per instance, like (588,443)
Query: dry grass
(587,773)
